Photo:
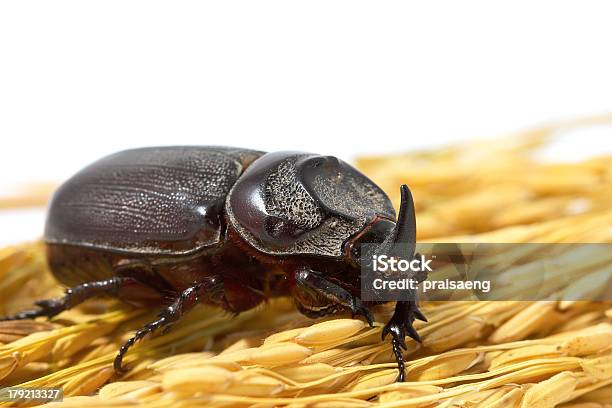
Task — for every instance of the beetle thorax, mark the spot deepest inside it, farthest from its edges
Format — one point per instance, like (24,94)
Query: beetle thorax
(290,203)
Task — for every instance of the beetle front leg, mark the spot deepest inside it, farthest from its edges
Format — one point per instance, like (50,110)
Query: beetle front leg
(208,289)
(313,281)
(400,325)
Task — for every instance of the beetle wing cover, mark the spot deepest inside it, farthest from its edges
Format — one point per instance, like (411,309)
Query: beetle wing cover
(149,200)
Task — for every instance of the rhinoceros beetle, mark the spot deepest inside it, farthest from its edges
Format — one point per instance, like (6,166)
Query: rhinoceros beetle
(224,226)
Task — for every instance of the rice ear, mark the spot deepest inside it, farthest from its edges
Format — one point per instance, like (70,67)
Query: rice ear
(476,354)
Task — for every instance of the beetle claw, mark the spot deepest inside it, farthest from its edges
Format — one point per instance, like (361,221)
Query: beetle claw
(48,308)
(419,315)
(410,330)
(358,309)
(399,326)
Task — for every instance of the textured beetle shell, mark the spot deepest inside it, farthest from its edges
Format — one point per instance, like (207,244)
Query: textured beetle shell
(309,204)
(287,198)
(158,200)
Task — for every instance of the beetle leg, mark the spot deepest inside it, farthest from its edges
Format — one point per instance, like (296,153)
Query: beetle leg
(73,297)
(313,281)
(399,326)
(210,288)
(315,314)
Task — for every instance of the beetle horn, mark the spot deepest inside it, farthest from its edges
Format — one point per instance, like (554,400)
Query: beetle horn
(405,228)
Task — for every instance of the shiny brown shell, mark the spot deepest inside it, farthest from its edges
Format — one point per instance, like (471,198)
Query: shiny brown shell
(150,201)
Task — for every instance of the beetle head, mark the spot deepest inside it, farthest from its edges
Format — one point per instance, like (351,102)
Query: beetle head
(386,235)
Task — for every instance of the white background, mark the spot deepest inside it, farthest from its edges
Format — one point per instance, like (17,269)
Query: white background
(80,79)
